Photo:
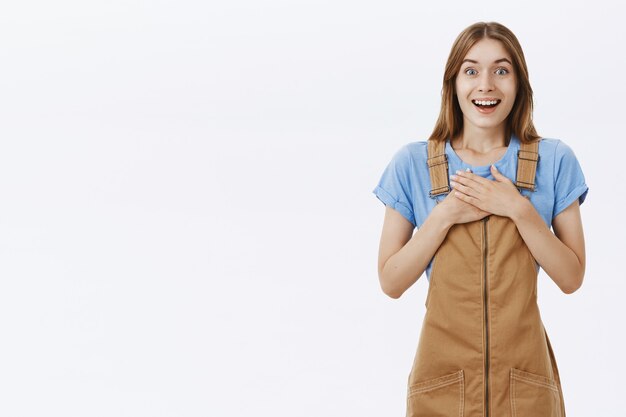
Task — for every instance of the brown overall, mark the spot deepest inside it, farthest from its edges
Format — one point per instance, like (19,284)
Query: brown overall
(483,350)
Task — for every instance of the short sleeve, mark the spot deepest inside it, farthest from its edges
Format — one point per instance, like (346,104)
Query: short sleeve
(394,188)
(569,183)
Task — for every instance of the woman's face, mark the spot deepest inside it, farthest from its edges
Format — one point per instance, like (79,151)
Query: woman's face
(486,73)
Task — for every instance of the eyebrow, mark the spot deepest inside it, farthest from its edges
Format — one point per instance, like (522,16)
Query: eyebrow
(495,62)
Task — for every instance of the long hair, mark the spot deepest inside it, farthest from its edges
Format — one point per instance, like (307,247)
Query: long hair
(519,121)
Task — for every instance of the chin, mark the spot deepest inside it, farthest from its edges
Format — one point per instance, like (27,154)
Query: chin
(488,123)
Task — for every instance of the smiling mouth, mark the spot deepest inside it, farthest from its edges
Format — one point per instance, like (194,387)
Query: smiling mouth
(486,104)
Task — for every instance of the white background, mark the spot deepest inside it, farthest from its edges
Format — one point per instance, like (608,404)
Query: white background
(187,223)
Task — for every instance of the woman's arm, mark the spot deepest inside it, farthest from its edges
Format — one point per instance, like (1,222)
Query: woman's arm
(402,259)
(562,253)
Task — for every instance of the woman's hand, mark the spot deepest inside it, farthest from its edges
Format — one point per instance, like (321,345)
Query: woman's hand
(499,197)
(455,211)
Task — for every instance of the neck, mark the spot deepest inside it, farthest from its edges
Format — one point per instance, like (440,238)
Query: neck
(480,140)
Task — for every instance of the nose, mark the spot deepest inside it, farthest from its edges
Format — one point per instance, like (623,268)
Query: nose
(485,82)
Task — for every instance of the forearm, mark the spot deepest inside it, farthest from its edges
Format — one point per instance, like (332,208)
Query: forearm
(406,266)
(559,261)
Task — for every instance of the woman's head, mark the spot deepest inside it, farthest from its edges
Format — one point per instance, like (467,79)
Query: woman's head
(471,72)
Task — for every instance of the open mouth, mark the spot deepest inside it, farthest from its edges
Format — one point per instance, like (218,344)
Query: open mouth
(486,104)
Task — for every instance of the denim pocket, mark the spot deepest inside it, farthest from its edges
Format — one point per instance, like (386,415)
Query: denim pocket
(533,395)
(437,397)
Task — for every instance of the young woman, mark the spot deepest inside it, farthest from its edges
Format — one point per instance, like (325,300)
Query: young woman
(483,192)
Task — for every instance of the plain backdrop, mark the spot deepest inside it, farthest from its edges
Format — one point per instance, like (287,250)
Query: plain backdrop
(187,223)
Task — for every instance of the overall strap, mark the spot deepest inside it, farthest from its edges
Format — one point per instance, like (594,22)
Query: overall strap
(438,168)
(527,158)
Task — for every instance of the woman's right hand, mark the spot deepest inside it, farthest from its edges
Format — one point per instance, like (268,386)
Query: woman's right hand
(458,211)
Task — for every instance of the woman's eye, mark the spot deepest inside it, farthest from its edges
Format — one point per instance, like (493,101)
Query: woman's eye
(470,69)
(506,71)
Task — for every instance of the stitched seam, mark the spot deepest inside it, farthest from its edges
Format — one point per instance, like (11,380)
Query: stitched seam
(558,403)
(542,384)
(443,187)
(430,286)
(576,190)
(434,164)
(482,337)
(512,395)
(518,373)
(430,388)
(446,378)
(462,394)
(528,159)
(394,201)
(416,389)
(430,281)
(397,201)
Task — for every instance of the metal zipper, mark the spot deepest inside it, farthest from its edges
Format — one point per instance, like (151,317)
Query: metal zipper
(486,317)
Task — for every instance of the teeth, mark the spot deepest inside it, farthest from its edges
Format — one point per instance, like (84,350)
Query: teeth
(485,103)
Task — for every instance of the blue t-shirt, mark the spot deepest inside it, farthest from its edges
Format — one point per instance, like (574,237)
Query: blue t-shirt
(405,182)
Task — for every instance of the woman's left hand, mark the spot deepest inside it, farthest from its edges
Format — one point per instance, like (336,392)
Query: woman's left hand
(499,197)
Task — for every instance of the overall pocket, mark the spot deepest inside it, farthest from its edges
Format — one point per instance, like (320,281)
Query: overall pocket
(437,397)
(534,395)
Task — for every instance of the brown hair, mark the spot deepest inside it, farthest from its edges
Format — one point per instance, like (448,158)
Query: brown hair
(519,121)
